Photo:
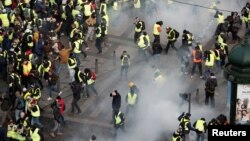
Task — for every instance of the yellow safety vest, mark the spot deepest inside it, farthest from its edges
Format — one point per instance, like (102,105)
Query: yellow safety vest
(118,120)
(30,44)
(26,95)
(132,99)
(141,42)
(220,39)
(200,46)
(218,57)
(34,135)
(200,125)
(73,61)
(79,2)
(36,93)
(211,62)
(138,29)
(104,6)
(137,3)
(75,12)
(115,6)
(36,113)
(90,81)
(79,77)
(106,17)
(190,39)
(185,121)
(41,69)
(100,33)
(155,31)
(27,68)
(48,68)
(220,19)
(77,47)
(5,19)
(169,35)
(72,33)
(175,138)
(87,10)
(7,2)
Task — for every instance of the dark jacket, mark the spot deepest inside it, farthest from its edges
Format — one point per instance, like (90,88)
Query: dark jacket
(210,84)
(52,79)
(116,103)
(56,113)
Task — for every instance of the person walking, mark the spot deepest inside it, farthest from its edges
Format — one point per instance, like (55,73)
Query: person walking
(116,103)
(89,80)
(201,126)
(172,36)
(53,84)
(76,88)
(143,44)
(119,121)
(131,101)
(125,63)
(57,119)
(157,31)
(210,85)
(197,59)
(185,125)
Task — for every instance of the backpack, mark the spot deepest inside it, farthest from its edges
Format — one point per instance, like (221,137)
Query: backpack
(198,55)
(143,25)
(210,86)
(177,34)
(93,74)
(125,60)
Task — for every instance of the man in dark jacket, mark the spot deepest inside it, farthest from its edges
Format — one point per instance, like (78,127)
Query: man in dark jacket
(116,103)
(57,119)
(210,85)
(76,89)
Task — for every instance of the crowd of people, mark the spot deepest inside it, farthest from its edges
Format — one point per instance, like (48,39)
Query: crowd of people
(32,54)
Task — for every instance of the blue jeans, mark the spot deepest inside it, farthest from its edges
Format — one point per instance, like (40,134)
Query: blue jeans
(124,70)
(54,88)
(91,86)
(35,120)
(200,136)
(17,114)
(144,53)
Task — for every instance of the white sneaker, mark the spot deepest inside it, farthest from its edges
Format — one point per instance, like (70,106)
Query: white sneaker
(49,99)
(60,93)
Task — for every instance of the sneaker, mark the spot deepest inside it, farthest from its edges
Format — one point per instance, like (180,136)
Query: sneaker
(59,133)
(49,99)
(191,76)
(79,112)
(87,48)
(201,77)
(60,93)
(52,135)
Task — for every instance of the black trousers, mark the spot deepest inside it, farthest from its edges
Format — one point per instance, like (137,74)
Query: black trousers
(199,67)
(74,105)
(170,44)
